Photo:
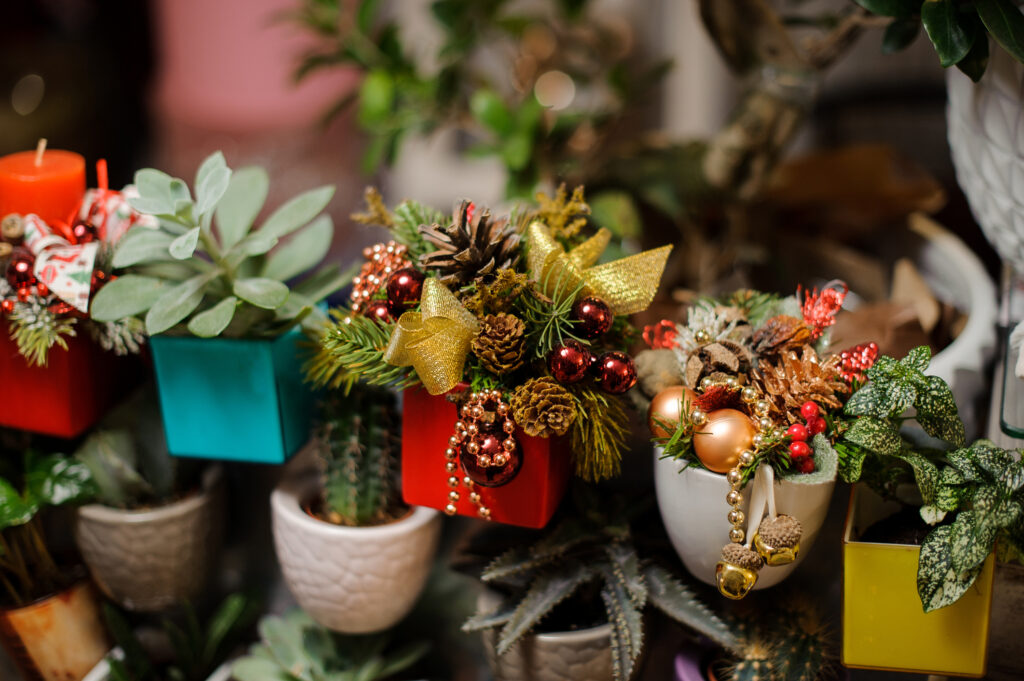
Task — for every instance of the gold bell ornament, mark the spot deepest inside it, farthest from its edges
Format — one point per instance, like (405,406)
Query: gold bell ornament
(736,572)
(777,539)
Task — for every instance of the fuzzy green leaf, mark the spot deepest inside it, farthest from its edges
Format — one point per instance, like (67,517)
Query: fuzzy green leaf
(257,669)
(241,203)
(261,292)
(302,252)
(184,246)
(1004,21)
(948,30)
(547,590)
(297,212)
(177,303)
(126,296)
(937,412)
(212,181)
(212,322)
(676,600)
(877,435)
(155,194)
(938,583)
(142,245)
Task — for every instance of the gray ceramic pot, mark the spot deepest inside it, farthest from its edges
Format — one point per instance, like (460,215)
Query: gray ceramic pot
(562,656)
(149,560)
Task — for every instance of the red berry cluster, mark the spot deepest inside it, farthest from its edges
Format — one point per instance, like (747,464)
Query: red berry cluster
(799,433)
(857,360)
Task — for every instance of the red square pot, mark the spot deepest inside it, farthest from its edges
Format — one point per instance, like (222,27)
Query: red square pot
(68,395)
(528,501)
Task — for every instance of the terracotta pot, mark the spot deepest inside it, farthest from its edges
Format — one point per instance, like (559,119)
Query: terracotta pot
(149,560)
(355,580)
(59,638)
(694,510)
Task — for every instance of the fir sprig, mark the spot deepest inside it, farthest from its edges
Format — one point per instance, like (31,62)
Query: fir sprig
(36,329)
(549,320)
(352,349)
(598,434)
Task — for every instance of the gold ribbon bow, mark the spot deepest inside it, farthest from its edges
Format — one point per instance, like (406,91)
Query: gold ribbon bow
(628,285)
(435,340)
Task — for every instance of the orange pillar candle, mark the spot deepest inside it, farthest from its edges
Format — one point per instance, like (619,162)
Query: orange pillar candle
(47,182)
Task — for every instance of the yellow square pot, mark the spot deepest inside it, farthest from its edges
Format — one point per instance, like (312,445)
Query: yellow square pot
(884,624)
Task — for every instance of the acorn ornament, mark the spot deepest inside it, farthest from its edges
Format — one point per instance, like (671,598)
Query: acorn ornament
(736,573)
(778,540)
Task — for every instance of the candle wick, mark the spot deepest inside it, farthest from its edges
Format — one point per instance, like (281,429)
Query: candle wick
(40,149)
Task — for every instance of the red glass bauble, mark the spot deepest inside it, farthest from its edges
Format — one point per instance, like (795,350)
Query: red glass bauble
(491,445)
(84,232)
(378,310)
(404,289)
(615,372)
(7,305)
(19,269)
(593,316)
(569,362)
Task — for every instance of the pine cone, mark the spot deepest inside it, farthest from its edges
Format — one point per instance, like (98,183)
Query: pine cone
(719,359)
(788,381)
(501,343)
(737,554)
(472,246)
(542,407)
(779,334)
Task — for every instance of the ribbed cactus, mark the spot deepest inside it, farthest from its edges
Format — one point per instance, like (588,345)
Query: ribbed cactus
(790,644)
(359,448)
(757,663)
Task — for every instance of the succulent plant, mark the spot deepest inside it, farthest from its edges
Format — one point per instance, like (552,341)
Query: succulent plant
(197,649)
(294,648)
(207,270)
(359,451)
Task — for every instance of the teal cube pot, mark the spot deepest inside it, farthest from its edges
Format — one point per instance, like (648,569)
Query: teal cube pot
(234,399)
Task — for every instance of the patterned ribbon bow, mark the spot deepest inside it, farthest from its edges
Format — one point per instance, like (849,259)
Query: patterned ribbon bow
(434,341)
(65,268)
(628,285)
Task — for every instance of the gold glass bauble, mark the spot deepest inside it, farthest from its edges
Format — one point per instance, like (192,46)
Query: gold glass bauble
(667,406)
(719,442)
(734,581)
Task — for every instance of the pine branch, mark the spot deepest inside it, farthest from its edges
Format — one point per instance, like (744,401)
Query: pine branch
(36,329)
(598,434)
(408,217)
(549,321)
(352,349)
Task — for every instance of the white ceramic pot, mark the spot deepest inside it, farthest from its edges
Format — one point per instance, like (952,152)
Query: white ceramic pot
(148,560)
(693,508)
(355,580)
(560,656)
(101,672)
(986,136)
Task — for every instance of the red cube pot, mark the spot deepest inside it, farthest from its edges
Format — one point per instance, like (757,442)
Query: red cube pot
(68,395)
(529,500)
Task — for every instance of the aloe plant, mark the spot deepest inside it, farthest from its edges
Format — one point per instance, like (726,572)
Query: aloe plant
(207,269)
(294,648)
(359,451)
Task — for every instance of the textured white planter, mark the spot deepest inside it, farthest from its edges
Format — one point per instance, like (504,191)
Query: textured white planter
(355,580)
(152,559)
(986,136)
(101,672)
(561,656)
(694,510)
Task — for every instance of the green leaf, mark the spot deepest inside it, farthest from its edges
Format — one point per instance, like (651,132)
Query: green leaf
(851,461)
(212,322)
(376,98)
(624,568)
(14,510)
(177,303)
(877,435)
(56,480)
(970,541)
(155,195)
(212,190)
(949,31)
(938,583)
(126,296)
(882,397)
(976,61)
(302,252)
(937,412)
(489,620)
(402,659)
(261,292)
(926,475)
(627,635)
(210,164)
(184,246)
(489,109)
(366,14)
(891,8)
(229,616)
(676,600)
(899,35)
(547,590)
(241,203)
(325,281)
(297,212)
(917,359)
(516,150)
(951,491)
(142,245)
(257,669)
(1004,21)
